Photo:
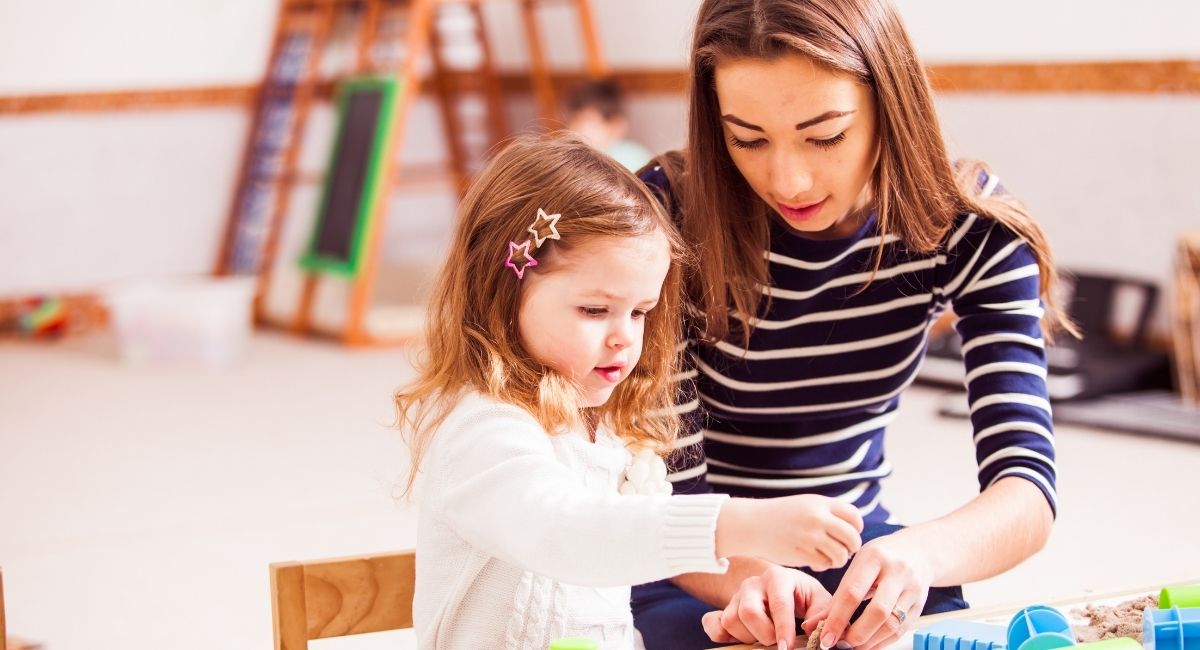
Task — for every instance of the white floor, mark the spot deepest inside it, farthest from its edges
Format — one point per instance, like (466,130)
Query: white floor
(139,507)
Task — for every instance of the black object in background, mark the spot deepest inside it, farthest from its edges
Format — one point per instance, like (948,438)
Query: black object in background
(1100,364)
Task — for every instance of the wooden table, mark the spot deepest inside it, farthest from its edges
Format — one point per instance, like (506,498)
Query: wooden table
(1003,613)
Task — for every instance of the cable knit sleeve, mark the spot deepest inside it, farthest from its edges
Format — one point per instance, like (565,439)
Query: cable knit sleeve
(502,489)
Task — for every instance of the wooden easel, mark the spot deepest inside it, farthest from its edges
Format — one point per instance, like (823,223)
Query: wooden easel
(268,170)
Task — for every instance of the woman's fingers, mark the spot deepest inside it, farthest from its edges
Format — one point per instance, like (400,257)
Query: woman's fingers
(859,579)
(877,617)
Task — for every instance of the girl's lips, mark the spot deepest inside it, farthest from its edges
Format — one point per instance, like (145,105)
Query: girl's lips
(802,213)
(611,374)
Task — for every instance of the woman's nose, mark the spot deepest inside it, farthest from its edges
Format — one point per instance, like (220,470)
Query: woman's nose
(790,177)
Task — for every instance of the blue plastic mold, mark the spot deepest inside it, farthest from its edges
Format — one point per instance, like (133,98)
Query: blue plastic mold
(1171,629)
(960,635)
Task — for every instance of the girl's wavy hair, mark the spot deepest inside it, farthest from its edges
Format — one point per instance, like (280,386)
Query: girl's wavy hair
(471,332)
(918,192)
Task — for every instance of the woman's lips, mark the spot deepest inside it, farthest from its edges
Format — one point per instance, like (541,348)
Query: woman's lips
(802,213)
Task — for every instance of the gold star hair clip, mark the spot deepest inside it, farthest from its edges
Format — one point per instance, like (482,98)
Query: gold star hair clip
(551,222)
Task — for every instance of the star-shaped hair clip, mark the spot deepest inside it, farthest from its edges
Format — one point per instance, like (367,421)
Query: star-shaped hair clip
(551,222)
(525,260)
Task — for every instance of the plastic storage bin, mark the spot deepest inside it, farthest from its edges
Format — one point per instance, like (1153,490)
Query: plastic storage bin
(191,321)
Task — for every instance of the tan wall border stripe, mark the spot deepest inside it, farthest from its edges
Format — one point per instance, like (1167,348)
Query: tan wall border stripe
(1121,77)
(132,99)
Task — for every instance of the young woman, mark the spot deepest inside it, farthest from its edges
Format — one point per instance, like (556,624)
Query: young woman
(832,231)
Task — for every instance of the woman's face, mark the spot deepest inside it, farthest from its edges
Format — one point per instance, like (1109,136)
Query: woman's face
(804,139)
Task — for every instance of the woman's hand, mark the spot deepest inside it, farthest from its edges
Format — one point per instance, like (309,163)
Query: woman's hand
(895,572)
(765,608)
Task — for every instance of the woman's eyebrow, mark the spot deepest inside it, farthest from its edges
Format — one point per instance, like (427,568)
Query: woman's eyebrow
(828,115)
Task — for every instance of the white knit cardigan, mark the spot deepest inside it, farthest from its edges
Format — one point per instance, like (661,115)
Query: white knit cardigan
(523,537)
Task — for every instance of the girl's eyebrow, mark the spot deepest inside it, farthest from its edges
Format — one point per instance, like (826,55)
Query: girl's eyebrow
(601,293)
(823,117)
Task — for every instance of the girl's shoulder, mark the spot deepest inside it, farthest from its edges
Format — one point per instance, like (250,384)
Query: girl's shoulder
(472,406)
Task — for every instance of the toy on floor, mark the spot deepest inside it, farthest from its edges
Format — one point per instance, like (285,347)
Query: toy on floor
(1174,625)
(1182,596)
(1172,629)
(960,635)
(1039,627)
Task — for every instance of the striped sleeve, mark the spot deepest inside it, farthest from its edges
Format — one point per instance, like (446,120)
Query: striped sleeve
(992,280)
(687,467)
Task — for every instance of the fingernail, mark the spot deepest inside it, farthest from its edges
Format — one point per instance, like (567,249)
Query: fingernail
(842,645)
(827,641)
(782,644)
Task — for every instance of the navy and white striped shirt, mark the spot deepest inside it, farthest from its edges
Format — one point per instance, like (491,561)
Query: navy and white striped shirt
(804,409)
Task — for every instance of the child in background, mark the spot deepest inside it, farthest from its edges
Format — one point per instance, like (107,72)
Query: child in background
(551,343)
(596,111)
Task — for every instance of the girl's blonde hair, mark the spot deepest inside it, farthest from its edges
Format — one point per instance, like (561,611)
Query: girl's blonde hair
(471,333)
(918,193)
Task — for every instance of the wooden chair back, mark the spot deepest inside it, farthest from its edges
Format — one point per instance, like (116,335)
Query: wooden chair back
(340,596)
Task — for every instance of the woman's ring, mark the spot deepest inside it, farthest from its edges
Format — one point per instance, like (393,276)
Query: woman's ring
(900,615)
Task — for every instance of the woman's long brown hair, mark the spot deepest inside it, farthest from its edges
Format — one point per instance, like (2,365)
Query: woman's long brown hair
(917,191)
(472,340)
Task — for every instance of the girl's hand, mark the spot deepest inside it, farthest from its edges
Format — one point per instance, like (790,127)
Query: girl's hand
(803,530)
(895,573)
(765,608)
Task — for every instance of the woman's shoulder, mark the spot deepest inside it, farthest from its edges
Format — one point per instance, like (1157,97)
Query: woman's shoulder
(971,227)
(660,173)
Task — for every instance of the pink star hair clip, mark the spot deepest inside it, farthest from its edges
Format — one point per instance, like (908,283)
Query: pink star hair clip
(525,261)
(519,262)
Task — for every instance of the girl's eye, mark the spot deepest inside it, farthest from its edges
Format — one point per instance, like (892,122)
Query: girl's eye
(639,313)
(743,144)
(829,143)
(593,311)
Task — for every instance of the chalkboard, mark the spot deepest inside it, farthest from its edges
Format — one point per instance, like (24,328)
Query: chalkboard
(354,177)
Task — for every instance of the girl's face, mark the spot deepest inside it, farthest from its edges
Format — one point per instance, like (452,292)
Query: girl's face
(585,316)
(803,138)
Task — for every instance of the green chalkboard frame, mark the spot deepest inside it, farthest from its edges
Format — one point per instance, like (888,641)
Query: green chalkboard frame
(314,260)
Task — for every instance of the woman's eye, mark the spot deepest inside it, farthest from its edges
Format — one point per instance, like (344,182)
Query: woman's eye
(746,144)
(593,311)
(829,143)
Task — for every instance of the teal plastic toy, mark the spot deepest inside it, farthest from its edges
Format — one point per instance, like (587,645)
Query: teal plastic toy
(1039,627)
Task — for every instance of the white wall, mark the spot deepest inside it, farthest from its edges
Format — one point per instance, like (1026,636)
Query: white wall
(1063,30)
(85,198)
(76,45)
(49,46)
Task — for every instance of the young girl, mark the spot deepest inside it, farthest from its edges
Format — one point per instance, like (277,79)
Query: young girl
(551,346)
